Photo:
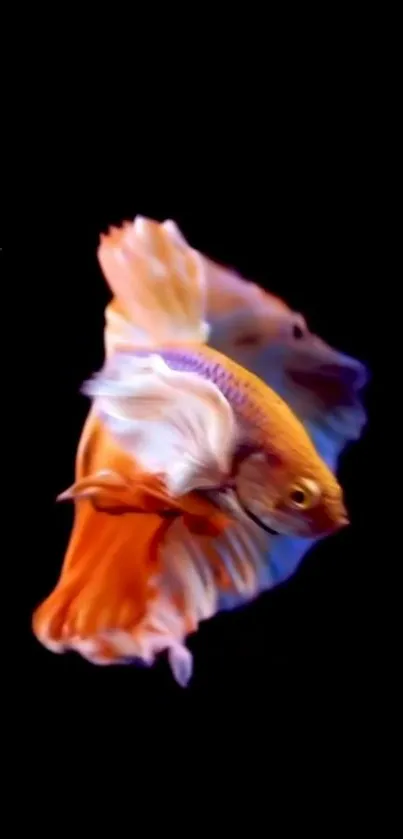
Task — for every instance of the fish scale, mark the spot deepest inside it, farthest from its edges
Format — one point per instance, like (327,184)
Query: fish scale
(263,418)
(249,397)
(240,395)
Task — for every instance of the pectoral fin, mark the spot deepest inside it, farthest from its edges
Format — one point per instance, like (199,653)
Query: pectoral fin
(171,423)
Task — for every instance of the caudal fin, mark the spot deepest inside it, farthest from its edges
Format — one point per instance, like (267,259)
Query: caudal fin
(103,596)
(158,280)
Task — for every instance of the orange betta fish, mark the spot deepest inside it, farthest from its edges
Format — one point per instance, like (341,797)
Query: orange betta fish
(322,385)
(188,468)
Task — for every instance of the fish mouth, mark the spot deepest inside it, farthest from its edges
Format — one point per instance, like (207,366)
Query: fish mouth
(334,377)
(330,395)
(332,387)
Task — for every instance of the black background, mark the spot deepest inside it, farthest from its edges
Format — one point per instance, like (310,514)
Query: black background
(300,218)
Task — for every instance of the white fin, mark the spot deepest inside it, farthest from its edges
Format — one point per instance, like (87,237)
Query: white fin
(170,422)
(187,593)
(158,279)
(192,566)
(173,232)
(181,662)
(121,334)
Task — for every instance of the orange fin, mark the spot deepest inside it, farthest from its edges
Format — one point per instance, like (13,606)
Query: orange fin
(158,279)
(109,490)
(94,485)
(108,583)
(111,602)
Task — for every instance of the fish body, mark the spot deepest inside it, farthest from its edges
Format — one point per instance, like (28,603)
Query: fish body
(187,466)
(269,443)
(256,406)
(322,385)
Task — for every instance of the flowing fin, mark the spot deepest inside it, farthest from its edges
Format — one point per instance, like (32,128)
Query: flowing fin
(226,294)
(229,292)
(115,482)
(108,584)
(169,422)
(198,572)
(158,279)
(120,333)
(111,492)
(181,661)
(104,482)
(111,604)
(108,605)
(320,384)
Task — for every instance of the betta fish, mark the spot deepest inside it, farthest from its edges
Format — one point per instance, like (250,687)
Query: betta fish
(259,330)
(322,385)
(188,469)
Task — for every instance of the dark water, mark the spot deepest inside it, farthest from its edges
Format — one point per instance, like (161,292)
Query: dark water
(301,650)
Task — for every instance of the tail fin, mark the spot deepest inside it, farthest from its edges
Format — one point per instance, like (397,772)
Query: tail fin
(158,280)
(105,588)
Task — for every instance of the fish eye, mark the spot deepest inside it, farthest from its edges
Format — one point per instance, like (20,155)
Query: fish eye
(297,332)
(303,494)
(298,497)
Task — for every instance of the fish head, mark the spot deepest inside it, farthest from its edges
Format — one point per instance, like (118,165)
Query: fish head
(322,385)
(292,495)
